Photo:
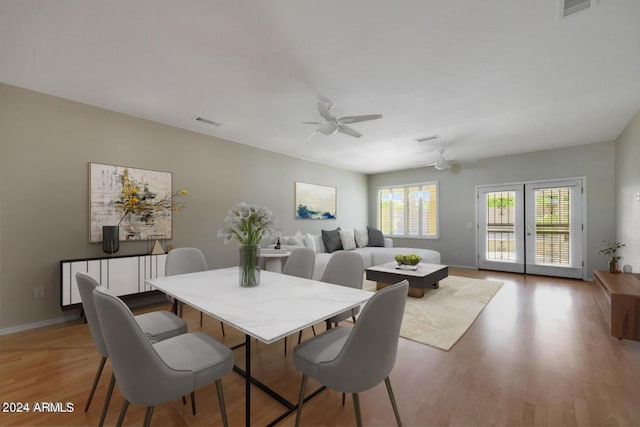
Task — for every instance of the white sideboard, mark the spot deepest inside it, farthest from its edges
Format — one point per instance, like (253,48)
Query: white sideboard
(123,275)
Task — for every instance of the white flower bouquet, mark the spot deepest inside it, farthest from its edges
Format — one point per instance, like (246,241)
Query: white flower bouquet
(248,224)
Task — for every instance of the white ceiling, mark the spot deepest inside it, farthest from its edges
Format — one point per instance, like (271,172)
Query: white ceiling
(492,77)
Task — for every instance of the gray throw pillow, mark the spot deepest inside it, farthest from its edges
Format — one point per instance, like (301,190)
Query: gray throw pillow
(331,240)
(376,239)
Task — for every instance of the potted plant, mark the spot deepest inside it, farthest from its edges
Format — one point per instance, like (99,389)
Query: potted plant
(610,250)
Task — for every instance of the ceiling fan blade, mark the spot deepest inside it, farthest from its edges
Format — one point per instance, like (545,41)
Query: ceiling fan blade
(311,123)
(314,133)
(323,109)
(356,119)
(348,131)
(328,128)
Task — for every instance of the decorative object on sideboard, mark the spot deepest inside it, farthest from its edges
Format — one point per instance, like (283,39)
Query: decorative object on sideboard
(140,201)
(610,250)
(157,248)
(627,268)
(248,224)
(314,201)
(110,239)
(157,244)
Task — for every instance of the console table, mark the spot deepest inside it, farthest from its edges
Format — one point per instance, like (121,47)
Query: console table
(620,302)
(123,275)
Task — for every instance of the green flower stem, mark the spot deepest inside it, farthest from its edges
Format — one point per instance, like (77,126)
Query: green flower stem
(249,274)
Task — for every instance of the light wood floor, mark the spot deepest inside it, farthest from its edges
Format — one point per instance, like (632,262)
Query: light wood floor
(539,354)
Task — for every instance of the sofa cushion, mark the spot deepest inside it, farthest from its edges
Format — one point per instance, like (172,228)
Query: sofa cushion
(376,239)
(347,240)
(310,242)
(331,240)
(361,237)
(367,255)
(297,239)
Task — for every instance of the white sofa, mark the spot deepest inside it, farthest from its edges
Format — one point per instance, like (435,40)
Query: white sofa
(370,255)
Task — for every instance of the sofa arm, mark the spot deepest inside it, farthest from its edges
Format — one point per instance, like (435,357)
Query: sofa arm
(388,243)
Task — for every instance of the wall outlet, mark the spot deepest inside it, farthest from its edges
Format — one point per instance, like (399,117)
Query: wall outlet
(38,292)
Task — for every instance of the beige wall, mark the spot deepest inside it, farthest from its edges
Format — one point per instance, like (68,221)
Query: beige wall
(457,243)
(46,144)
(628,192)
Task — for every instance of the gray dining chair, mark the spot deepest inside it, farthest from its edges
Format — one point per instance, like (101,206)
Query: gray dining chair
(352,360)
(156,325)
(345,269)
(300,264)
(184,261)
(151,374)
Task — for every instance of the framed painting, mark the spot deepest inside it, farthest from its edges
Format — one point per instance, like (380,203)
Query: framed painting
(314,201)
(138,200)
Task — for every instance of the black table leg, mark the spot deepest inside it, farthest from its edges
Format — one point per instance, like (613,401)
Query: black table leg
(247,380)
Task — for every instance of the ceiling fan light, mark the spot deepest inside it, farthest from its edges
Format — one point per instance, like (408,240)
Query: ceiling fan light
(328,129)
(442,165)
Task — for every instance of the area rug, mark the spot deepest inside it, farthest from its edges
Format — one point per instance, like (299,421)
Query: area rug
(442,316)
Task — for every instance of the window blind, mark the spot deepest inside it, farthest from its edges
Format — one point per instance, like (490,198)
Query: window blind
(409,211)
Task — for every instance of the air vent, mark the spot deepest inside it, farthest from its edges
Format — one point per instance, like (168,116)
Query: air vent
(206,121)
(428,138)
(569,7)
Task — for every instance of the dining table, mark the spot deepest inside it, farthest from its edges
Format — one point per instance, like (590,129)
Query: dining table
(279,306)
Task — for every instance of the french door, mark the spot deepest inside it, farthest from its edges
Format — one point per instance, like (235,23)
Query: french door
(534,228)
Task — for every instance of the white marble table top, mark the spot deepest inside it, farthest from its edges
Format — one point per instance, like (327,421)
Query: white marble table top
(280,306)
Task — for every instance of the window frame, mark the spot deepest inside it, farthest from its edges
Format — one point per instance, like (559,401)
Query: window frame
(405,210)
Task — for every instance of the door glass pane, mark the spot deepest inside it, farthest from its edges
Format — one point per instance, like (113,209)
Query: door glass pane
(553,232)
(501,218)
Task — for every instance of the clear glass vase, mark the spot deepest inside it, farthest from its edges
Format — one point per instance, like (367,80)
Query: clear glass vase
(249,270)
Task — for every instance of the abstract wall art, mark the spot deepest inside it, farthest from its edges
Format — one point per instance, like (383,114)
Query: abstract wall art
(314,201)
(138,200)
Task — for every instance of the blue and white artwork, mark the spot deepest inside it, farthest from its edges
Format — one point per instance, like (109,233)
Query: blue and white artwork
(314,201)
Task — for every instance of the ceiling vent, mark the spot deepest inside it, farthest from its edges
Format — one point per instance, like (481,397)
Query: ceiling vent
(206,121)
(569,7)
(428,138)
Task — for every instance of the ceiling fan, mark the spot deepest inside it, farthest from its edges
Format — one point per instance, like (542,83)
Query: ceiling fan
(442,162)
(331,124)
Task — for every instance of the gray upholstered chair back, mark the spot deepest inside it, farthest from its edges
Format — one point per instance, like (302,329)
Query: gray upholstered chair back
(142,375)
(86,285)
(185,260)
(344,268)
(369,354)
(300,263)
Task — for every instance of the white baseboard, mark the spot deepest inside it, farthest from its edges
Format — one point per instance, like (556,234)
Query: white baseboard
(71,315)
(470,267)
